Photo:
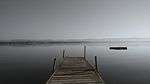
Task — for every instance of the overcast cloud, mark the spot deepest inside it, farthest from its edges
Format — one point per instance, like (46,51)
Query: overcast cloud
(74,19)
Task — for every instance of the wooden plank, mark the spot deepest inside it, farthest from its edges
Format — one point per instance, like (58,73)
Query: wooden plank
(75,70)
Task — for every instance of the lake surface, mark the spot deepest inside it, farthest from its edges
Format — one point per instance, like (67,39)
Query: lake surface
(33,64)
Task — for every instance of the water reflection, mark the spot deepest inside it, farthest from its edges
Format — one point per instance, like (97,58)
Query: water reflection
(31,64)
(131,66)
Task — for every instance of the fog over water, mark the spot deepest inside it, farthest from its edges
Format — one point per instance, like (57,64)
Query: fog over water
(104,22)
(74,19)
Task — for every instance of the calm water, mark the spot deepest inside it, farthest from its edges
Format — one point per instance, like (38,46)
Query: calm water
(31,64)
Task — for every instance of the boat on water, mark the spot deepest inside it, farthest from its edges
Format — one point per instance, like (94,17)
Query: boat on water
(118,48)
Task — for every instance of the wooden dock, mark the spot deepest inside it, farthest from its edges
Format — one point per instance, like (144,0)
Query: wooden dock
(75,70)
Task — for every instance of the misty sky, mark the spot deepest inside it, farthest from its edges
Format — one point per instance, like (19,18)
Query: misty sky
(74,19)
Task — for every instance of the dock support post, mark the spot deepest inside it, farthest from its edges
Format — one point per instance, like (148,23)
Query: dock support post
(85,52)
(63,53)
(96,63)
(54,65)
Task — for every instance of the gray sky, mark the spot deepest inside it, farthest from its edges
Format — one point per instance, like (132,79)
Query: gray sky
(74,19)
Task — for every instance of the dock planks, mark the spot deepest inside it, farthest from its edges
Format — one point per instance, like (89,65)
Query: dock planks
(75,70)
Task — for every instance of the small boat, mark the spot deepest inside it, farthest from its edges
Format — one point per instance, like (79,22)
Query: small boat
(118,48)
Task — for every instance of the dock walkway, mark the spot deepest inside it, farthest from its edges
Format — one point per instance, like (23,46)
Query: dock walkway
(75,70)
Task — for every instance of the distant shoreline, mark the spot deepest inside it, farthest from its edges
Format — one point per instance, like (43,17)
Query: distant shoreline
(47,42)
(35,42)
(64,41)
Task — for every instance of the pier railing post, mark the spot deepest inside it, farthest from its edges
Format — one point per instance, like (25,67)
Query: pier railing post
(63,53)
(96,63)
(54,65)
(85,52)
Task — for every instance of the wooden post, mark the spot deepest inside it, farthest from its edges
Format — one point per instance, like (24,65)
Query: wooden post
(54,64)
(96,63)
(85,52)
(63,53)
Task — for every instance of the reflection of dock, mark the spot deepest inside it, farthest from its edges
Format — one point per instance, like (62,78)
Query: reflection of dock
(75,70)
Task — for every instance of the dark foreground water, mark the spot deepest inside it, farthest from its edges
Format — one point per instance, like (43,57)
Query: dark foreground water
(32,64)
